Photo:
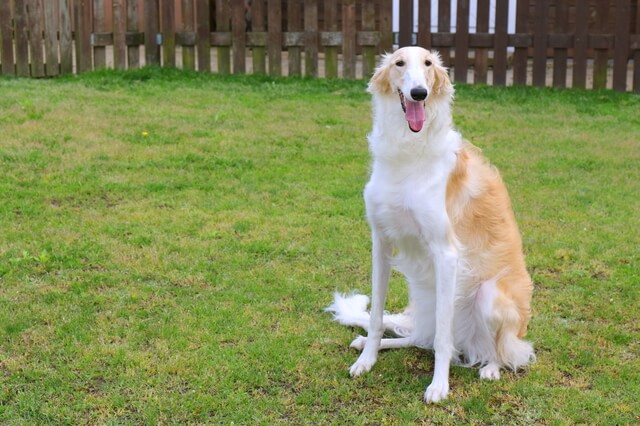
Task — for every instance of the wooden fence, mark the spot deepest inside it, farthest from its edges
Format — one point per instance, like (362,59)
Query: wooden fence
(564,43)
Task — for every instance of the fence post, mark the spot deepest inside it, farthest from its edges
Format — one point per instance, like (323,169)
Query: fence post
(151,48)
(274,37)
(621,53)
(6,30)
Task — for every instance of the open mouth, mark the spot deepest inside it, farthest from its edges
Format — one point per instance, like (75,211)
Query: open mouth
(413,111)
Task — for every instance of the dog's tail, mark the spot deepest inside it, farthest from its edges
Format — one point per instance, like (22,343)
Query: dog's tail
(352,311)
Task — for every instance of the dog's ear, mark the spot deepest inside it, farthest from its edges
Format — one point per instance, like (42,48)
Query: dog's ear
(442,84)
(380,82)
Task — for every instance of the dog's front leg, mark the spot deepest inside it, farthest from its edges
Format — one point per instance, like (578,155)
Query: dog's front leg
(445,262)
(381,269)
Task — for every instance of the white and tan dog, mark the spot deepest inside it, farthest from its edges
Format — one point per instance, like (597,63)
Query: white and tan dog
(440,214)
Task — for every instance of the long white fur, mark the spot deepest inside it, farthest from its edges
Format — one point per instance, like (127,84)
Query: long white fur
(407,211)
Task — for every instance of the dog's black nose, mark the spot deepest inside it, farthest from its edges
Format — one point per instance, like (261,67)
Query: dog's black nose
(419,94)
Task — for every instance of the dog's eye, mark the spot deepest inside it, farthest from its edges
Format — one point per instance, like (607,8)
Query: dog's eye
(400,63)
(427,63)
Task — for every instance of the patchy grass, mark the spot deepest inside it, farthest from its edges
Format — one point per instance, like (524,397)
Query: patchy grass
(170,239)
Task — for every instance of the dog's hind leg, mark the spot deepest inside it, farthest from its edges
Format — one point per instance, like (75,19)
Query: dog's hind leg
(394,343)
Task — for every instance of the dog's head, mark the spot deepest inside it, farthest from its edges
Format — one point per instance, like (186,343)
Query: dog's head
(416,76)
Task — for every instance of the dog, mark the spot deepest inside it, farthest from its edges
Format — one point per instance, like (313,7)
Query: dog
(440,214)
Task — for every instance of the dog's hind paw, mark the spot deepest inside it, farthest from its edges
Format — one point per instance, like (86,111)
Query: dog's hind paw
(490,372)
(358,343)
(436,392)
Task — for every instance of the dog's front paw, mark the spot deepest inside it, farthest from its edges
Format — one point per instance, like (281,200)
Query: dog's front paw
(358,343)
(362,365)
(436,392)
(490,372)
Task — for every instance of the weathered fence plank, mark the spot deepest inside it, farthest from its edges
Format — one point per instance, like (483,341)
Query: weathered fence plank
(424,23)
(258,27)
(119,30)
(52,63)
(368,50)
(66,41)
(151,47)
(331,52)
(386,27)
(500,43)
(22,39)
(168,32)
(581,40)
(99,51)
(35,23)
(203,30)
(189,39)
(311,37)
(600,63)
(444,26)
(540,44)
(133,50)
(238,36)
(6,35)
(636,54)
(560,55)
(349,39)
(294,24)
(520,54)
(405,30)
(462,41)
(621,53)
(274,23)
(481,60)
(223,25)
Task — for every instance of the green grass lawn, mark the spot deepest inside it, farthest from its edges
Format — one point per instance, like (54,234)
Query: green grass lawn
(169,241)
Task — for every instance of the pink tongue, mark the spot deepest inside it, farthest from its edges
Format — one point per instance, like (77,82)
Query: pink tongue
(415,115)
